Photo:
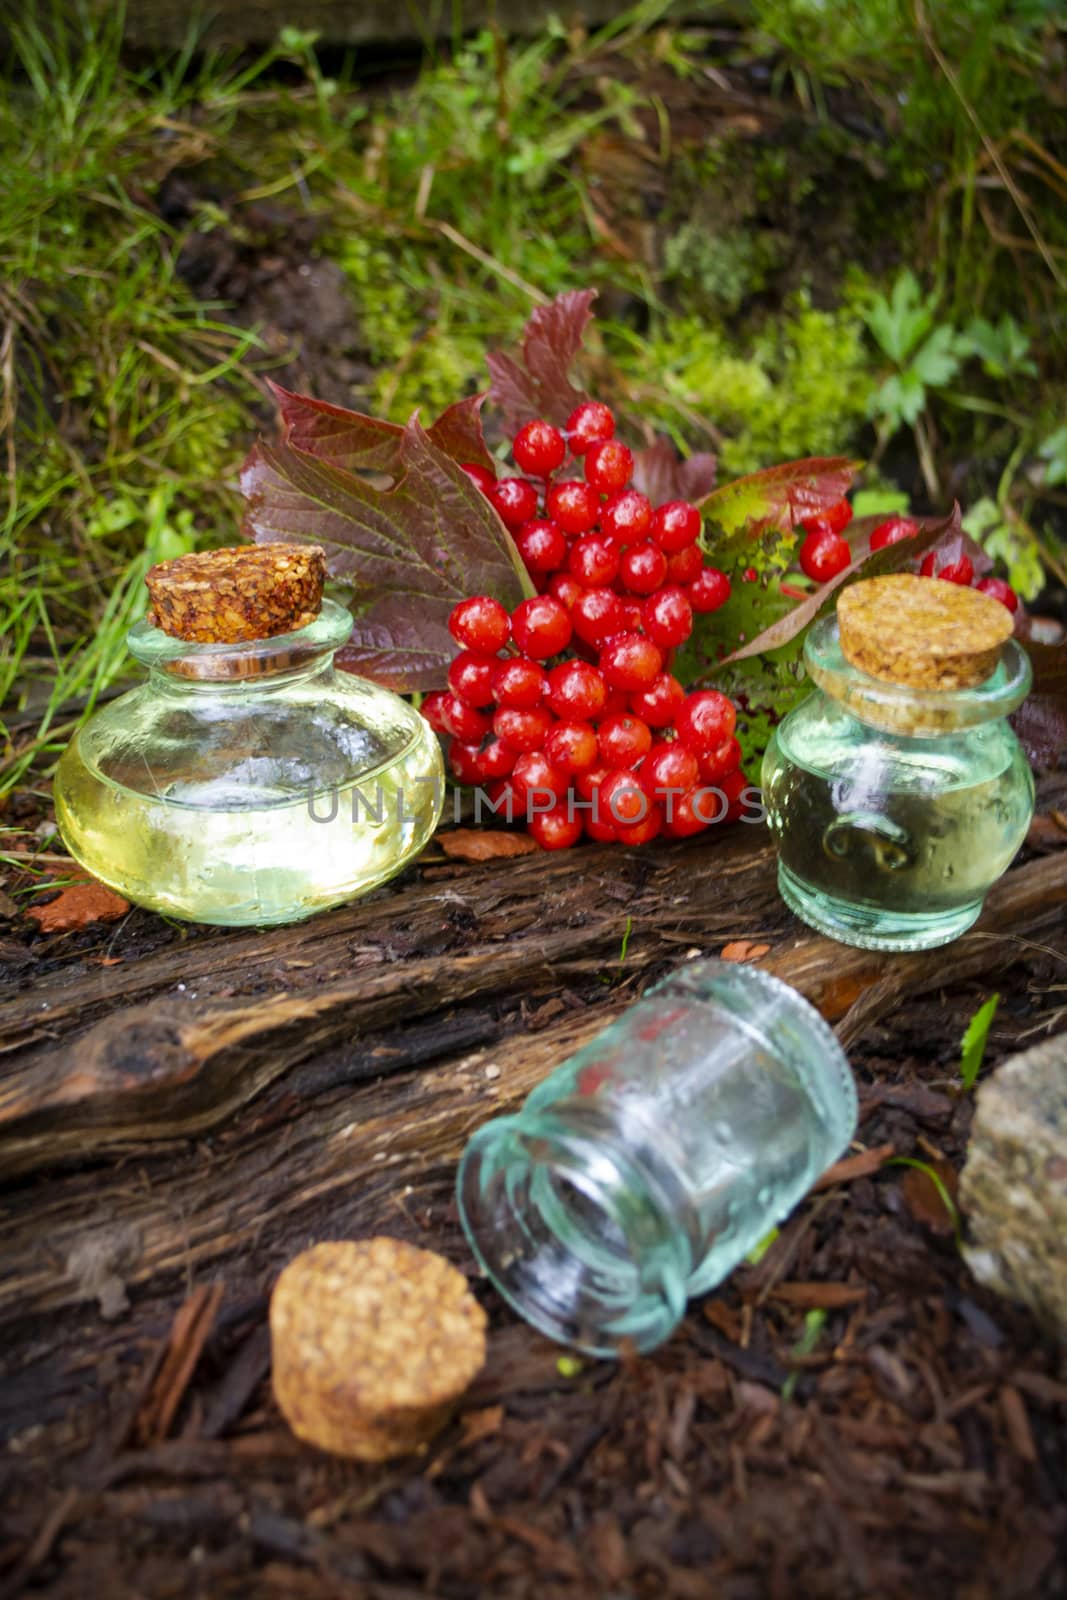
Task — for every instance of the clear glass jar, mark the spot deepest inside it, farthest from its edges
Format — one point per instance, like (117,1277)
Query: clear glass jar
(646,1167)
(895,809)
(249,783)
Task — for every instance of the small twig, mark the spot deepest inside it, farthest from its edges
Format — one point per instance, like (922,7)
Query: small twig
(463,243)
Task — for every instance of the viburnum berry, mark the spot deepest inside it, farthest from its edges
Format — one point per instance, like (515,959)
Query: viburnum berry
(519,682)
(622,801)
(541,627)
(960,571)
(892,531)
(616,704)
(675,526)
(643,568)
(515,500)
(995,588)
(573,505)
(633,614)
(685,565)
(835,519)
(576,691)
(732,787)
(630,661)
(495,760)
(669,765)
(462,721)
(599,828)
(690,813)
(588,783)
(587,424)
(572,746)
(431,709)
(541,545)
(823,555)
(557,829)
(470,676)
(465,761)
(538,448)
(482,476)
(597,614)
(535,779)
(668,617)
(709,590)
(928,565)
(626,517)
(623,741)
(480,623)
(643,832)
(608,465)
(566,589)
(593,560)
(706,718)
(659,704)
(522,729)
(720,759)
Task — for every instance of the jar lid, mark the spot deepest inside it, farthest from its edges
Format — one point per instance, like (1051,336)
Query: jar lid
(241,593)
(922,632)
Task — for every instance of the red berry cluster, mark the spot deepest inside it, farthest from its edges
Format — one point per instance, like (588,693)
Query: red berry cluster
(566,710)
(824,553)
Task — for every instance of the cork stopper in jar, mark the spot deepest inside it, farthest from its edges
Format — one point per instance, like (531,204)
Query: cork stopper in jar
(234,595)
(922,632)
(372,1344)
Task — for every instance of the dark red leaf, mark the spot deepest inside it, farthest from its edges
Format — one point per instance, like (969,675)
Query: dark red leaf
(778,497)
(536,383)
(366,444)
(661,473)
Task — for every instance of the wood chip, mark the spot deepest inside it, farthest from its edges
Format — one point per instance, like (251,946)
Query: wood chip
(851,1167)
(373,1343)
(185,1342)
(244,592)
(921,631)
(485,844)
(1017,1423)
(77,905)
(742,950)
(827,1296)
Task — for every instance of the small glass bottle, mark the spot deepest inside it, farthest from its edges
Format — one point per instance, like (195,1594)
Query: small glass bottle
(646,1167)
(251,782)
(895,808)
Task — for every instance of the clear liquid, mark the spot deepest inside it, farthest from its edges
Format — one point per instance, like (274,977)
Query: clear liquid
(231,848)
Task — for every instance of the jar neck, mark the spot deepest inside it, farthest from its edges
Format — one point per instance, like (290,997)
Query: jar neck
(268,678)
(250,664)
(591,1245)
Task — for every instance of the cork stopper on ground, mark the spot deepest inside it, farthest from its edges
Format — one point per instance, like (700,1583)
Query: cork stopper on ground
(922,632)
(372,1344)
(245,592)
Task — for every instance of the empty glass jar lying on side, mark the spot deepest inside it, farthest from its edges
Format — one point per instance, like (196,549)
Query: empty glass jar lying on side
(897,793)
(646,1167)
(249,782)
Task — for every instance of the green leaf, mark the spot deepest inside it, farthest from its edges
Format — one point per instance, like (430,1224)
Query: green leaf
(937,361)
(412,550)
(900,399)
(974,1041)
(1054,451)
(1003,348)
(902,321)
(814,1322)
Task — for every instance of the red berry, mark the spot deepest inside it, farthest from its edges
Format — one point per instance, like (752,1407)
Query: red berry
(823,556)
(593,560)
(608,465)
(518,682)
(732,787)
(557,829)
(643,568)
(659,704)
(482,476)
(503,802)
(515,500)
(541,545)
(576,691)
(574,505)
(642,832)
(633,615)
(616,704)
(480,623)
(995,588)
(623,741)
(541,627)
(462,721)
(706,719)
(928,565)
(471,677)
(572,746)
(567,590)
(597,614)
(535,780)
(630,661)
(431,709)
(834,519)
(588,783)
(685,565)
(622,799)
(465,761)
(961,572)
(749,575)
(709,590)
(668,617)
(588,423)
(626,516)
(722,758)
(892,531)
(675,526)
(689,813)
(496,760)
(522,730)
(669,766)
(538,448)
(599,828)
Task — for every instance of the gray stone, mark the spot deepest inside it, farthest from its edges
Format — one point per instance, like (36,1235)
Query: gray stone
(1014,1185)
